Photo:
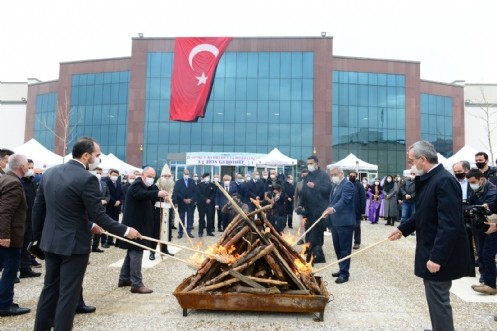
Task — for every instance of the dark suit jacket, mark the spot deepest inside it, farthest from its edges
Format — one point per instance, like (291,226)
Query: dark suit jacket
(182,192)
(440,231)
(342,200)
(255,189)
(116,194)
(12,209)
(221,199)
(67,197)
(139,211)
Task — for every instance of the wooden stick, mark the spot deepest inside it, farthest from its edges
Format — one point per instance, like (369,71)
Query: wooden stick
(310,228)
(349,256)
(245,279)
(146,248)
(216,286)
(268,281)
(233,203)
(180,246)
(181,223)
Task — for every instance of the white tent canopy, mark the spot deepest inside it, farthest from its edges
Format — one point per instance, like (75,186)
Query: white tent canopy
(110,161)
(42,157)
(276,158)
(466,153)
(352,162)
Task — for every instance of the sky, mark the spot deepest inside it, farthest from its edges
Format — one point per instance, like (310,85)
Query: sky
(453,39)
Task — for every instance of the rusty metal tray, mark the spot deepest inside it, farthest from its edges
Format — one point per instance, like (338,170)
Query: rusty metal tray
(288,303)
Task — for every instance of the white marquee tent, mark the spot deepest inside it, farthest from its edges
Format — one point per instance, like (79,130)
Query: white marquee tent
(352,162)
(276,158)
(466,153)
(42,157)
(110,161)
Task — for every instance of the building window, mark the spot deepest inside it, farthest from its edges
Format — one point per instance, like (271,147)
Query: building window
(368,119)
(436,122)
(99,109)
(259,101)
(46,108)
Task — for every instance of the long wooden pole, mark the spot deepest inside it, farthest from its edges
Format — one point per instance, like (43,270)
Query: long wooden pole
(180,222)
(180,246)
(349,256)
(310,228)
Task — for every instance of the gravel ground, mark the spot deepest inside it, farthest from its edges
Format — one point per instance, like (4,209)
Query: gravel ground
(382,294)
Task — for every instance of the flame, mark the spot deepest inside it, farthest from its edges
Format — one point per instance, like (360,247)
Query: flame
(290,238)
(223,254)
(303,268)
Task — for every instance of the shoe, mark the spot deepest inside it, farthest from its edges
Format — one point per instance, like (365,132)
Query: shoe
(174,228)
(485,289)
(190,235)
(219,230)
(336,274)
(151,257)
(323,260)
(341,280)
(105,245)
(356,246)
(35,264)
(17,280)
(210,234)
(123,283)
(141,290)
(200,235)
(14,309)
(180,236)
(168,253)
(29,274)
(97,250)
(475,285)
(85,309)
(290,227)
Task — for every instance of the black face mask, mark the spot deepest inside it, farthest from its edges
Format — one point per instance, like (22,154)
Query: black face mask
(352,179)
(460,175)
(480,165)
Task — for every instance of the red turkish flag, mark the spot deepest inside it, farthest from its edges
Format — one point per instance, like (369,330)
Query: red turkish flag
(195,61)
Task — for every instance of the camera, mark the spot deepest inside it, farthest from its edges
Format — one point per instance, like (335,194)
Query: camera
(300,211)
(475,215)
(269,194)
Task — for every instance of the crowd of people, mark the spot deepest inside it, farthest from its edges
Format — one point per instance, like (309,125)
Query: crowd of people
(65,210)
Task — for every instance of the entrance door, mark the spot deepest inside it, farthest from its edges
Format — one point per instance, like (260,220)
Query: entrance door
(228,170)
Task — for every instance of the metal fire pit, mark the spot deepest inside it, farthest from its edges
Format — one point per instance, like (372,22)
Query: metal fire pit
(229,301)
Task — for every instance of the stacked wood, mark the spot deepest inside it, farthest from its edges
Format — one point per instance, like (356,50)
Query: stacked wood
(265,263)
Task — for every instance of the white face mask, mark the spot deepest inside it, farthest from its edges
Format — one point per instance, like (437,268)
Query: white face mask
(29,173)
(113,178)
(131,180)
(207,179)
(257,177)
(99,176)
(186,176)
(290,181)
(248,178)
(474,187)
(377,183)
(149,181)
(195,178)
(226,182)
(311,167)
(273,176)
(94,165)
(389,180)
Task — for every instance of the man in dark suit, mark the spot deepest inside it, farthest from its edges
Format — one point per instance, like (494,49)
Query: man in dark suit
(359,205)
(185,191)
(255,189)
(114,206)
(342,219)
(104,189)
(68,196)
(441,242)
(205,200)
(221,199)
(12,223)
(139,213)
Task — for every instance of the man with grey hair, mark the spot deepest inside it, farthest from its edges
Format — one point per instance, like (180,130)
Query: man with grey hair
(342,219)
(12,222)
(441,243)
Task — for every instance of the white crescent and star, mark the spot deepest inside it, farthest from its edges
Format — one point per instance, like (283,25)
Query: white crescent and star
(202,79)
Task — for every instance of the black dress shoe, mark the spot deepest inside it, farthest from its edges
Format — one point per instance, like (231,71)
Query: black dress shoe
(190,235)
(85,309)
(14,309)
(97,250)
(151,257)
(210,234)
(29,274)
(341,280)
(174,228)
(200,235)
(17,280)
(336,274)
(168,253)
(180,236)
(105,246)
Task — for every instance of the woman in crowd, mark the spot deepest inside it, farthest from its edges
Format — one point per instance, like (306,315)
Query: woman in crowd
(375,195)
(390,208)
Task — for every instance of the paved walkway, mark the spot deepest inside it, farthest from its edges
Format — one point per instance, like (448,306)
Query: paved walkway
(382,294)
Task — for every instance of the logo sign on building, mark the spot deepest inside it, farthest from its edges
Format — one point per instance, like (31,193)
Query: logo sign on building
(222,159)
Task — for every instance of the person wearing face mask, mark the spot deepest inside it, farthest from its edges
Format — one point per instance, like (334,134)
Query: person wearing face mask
(365,184)
(272,180)
(221,200)
(375,197)
(315,193)
(131,179)
(359,205)
(113,208)
(205,201)
(490,173)
(140,214)
(185,192)
(484,193)
(196,179)
(241,187)
(289,190)
(441,241)
(67,198)
(105,198)
(277,214)
(4,160)
(12,223)
(408,197)
(390,208)
(254,189)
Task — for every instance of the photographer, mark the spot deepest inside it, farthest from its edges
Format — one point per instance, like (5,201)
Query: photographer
(484,193)
(232,212)
(278,201)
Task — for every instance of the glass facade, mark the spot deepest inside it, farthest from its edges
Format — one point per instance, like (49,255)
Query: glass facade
(436,122)
(368,119)
(99,109)
(44,129)
(259,101)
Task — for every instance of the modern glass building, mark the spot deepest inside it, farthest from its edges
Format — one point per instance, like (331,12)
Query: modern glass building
(289,93)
